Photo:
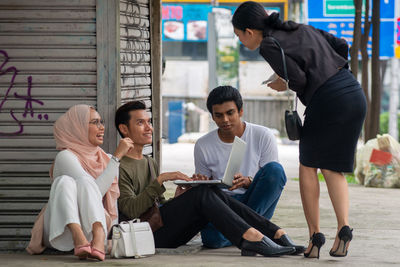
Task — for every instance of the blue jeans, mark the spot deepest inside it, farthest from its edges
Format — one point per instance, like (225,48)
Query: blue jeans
(262,196)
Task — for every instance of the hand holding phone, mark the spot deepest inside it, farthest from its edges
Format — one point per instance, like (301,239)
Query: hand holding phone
(271,78)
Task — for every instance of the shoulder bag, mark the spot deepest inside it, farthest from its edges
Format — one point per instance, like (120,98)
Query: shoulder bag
(132,239)
(292,120)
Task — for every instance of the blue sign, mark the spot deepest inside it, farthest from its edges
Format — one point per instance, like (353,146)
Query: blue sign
(398,31)
(188,22)
(341,24)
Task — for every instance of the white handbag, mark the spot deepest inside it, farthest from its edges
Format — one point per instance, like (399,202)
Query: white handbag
(132,239)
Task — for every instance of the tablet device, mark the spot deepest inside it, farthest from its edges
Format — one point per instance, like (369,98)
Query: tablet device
(232,167)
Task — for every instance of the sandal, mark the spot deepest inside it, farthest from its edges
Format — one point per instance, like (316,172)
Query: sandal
(345,236)
(83,251)
(317,240)
(97,254)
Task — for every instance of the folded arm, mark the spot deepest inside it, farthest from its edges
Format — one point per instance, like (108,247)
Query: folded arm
(66,163)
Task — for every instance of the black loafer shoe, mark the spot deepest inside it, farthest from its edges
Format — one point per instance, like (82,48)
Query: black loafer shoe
(265,247)
(285,241)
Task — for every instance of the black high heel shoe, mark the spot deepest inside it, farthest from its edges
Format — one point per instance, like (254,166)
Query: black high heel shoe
(286,241)
(265,247)
(318,240)
(345,235)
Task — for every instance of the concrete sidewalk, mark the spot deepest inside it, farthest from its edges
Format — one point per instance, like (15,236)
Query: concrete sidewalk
(374,214)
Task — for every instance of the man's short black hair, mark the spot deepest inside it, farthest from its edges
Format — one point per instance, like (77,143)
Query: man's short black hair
(223,94)
(122,115)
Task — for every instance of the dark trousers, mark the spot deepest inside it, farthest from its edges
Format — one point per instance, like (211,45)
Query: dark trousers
(262,197)
(186,215)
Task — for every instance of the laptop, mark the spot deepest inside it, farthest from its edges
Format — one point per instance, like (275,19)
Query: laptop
(232,167)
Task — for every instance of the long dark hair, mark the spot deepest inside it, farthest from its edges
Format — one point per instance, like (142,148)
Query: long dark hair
(252,15)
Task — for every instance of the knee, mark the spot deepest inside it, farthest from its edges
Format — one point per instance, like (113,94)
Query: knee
(273,173)
(201,194)
(201,189)
(85,182)
(65,182)
(63,187)
(86,185)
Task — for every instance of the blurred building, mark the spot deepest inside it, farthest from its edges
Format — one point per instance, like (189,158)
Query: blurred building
(185,30)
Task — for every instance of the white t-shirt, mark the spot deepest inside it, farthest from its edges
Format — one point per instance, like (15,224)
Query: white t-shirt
(211,154)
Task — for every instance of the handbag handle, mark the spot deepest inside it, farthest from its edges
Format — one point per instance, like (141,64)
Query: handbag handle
(114,243)
(133,236)
(285,73)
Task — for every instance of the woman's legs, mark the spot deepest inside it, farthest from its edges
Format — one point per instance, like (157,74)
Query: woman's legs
(74,215)
(77,234)
(91,212)
(62,228)
(339,194)
(98,236)
(309,190)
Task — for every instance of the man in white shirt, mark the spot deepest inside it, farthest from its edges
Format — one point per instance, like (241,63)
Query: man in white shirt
(211,154)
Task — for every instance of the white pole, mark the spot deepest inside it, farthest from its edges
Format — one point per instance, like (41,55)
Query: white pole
(394,100)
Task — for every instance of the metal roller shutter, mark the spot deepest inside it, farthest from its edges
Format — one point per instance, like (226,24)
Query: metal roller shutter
(54,43)
(135,53)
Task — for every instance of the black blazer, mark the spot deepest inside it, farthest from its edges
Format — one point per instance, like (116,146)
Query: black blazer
(312,57)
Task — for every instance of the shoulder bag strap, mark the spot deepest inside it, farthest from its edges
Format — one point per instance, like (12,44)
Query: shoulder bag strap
(114,246)
(285,73)
(133,237)
(116,237)
(153,175)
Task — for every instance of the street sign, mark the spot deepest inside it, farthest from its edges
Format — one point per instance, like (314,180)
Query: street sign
(337,17)
(398,31)
(339,8)
(188,22)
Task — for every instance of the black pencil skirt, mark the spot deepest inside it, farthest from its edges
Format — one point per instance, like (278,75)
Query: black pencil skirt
(333,123)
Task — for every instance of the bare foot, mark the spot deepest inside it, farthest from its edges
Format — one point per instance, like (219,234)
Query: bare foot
(98,236)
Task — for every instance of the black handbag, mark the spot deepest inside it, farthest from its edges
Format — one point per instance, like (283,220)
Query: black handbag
(292,119)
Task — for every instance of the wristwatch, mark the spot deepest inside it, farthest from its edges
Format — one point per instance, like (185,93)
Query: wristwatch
(250,178)
(115,158)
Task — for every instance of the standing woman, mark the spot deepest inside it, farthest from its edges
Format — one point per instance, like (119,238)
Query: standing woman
(82,204)
(335,109)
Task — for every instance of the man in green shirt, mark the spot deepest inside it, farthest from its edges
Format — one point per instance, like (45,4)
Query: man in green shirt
(138,190)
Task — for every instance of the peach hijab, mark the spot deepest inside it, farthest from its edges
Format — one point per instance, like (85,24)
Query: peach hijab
(71,131)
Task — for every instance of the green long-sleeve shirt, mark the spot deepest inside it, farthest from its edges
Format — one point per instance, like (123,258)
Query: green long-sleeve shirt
(137,189)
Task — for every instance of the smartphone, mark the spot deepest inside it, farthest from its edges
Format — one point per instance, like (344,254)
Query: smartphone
(271,78)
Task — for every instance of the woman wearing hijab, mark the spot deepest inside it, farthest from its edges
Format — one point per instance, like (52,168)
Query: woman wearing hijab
(83,198)
(317,71)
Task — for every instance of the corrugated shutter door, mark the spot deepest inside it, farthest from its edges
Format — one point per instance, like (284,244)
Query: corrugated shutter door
(54,42)
(135,52)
